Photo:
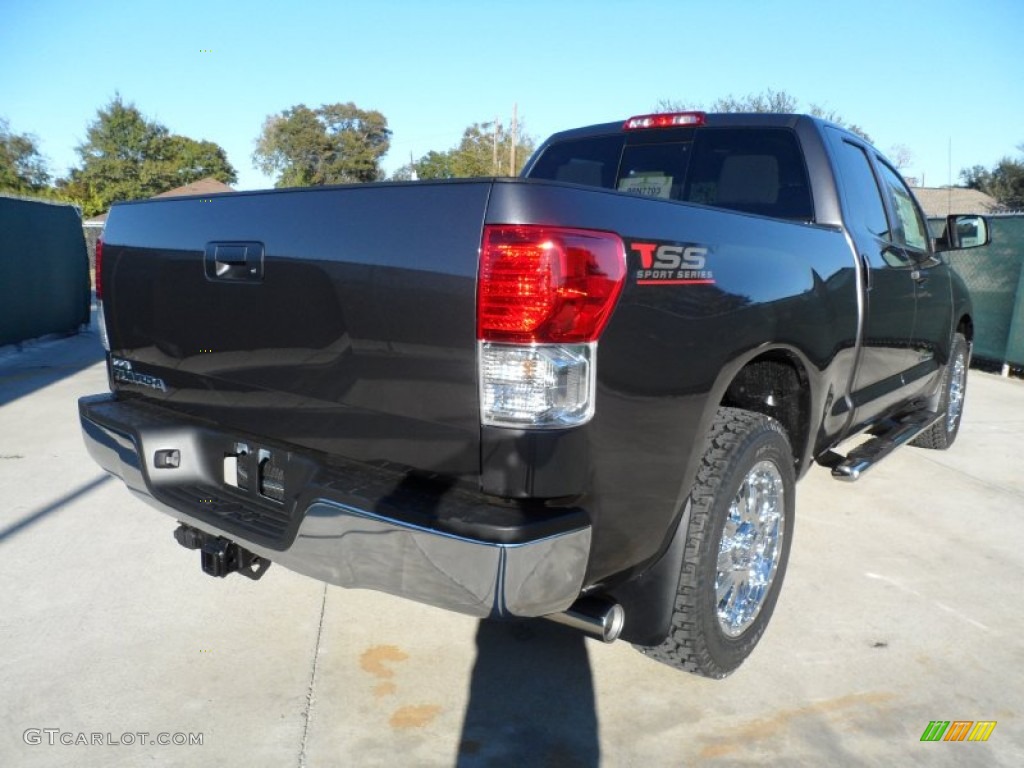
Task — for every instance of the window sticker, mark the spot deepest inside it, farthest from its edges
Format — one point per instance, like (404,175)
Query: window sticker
(647,185)
(912,233)
(703,192)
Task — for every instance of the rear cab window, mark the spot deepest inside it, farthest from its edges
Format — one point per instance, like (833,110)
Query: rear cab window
(753,170)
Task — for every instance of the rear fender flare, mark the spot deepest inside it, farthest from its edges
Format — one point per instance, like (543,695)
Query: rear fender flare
(648,596)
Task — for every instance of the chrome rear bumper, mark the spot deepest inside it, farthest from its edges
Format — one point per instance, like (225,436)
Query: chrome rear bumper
(347,545)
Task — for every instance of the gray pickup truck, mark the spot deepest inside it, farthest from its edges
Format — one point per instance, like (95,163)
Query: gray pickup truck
(585,394)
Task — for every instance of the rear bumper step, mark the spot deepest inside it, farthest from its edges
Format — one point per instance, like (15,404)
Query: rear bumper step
(345,537)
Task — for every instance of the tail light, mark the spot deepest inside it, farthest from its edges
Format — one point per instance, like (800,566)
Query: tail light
(665,120)
(99,268)
(544,296)
(98,280)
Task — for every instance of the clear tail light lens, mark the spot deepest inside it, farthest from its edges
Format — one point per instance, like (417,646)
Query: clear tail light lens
(537,385)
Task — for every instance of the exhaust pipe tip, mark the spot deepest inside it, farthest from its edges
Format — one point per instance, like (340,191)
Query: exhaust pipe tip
(598,618)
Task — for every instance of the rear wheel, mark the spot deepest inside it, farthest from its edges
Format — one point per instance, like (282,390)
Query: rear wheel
(737,546)
(942,434)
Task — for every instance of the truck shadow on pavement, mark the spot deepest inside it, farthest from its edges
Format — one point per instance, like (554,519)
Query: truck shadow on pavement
(531,699)
(531,694)
(38,514)
(28,368)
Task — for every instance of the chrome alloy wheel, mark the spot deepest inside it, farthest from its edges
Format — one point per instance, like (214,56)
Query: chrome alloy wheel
(957,386)
(751,545)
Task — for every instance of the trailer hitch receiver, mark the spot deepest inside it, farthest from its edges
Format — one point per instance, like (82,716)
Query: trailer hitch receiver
(219,556)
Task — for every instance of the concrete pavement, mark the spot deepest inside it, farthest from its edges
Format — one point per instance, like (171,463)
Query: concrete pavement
(901,606)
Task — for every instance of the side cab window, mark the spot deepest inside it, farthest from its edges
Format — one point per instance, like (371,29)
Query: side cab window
(865,208)
(877,201)
(910,229)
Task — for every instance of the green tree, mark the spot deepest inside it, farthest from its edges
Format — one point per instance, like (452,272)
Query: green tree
(127,157)
(435,165)
(834,117)
(22,168)
(1005,182)
(768,101)
(979,177)
(180,160)
(405,173)
(335,144)
(771,101)
(485,150)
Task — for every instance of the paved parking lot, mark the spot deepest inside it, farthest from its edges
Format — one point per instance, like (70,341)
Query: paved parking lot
(902,605)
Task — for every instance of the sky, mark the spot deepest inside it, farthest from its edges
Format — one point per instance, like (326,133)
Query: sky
(945,78)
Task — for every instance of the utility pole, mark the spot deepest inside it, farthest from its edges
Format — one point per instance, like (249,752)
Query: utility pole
(512,156)
(494,157)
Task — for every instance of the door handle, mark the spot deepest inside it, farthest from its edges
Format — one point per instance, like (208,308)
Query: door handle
(234,261)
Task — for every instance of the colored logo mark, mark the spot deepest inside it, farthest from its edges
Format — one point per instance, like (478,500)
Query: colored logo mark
(958,730)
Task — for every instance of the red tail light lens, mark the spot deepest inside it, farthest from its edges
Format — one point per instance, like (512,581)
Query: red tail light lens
(547,284)
(98,267)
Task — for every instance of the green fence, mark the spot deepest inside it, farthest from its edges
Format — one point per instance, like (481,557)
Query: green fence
(1015,338)
(44,270)
(995,276)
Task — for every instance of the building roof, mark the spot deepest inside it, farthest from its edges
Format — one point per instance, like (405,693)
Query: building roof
(207,186)
(942,201)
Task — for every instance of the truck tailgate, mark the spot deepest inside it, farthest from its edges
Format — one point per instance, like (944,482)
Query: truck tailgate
(339,319)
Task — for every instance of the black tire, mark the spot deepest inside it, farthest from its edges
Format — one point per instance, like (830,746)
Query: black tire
(952,391)
(738,443)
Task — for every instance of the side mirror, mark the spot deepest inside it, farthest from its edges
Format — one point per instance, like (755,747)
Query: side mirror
(964,231)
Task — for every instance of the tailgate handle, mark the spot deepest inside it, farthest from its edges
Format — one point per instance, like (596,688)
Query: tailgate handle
(234,261)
